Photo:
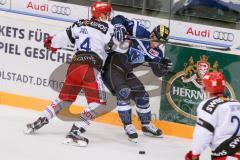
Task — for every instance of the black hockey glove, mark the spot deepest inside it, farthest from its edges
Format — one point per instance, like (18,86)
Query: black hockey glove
(162,68)
(119,32)
(165,63)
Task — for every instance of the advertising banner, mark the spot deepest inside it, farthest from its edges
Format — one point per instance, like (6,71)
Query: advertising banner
(182,31)
(204,34)
(29,69)
(25,64)
(182,92)
(65,11)
(191,32)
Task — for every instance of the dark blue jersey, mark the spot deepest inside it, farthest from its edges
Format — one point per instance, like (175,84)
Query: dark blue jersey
(139,51)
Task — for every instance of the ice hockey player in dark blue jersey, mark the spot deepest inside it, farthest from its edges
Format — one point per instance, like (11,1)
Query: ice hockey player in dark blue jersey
(119,78)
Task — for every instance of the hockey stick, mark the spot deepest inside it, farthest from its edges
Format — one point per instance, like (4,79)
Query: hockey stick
(184,44)
(200,46)
(170,42)
(67,49)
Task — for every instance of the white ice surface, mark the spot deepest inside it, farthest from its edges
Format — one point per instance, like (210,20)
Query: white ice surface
(107,142)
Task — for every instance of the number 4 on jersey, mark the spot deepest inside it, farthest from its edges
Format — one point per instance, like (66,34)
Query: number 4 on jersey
(86,45)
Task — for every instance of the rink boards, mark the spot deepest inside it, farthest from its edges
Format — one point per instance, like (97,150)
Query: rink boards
(31,76)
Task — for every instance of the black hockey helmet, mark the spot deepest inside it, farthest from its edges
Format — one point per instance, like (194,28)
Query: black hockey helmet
(162,33)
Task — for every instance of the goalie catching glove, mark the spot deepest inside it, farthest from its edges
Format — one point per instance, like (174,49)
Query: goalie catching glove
(48,44)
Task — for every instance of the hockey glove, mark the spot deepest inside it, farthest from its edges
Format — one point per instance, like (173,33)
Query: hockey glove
(161,68)
(190,156)
(165,63)
(47,44)
(120,32)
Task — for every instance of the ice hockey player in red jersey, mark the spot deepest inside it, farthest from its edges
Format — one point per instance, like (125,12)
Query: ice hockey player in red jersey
(218,122)
(90,37)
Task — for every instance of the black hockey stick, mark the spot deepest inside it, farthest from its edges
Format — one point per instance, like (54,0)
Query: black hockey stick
(170,42)
(184,44)
(200,46)
(67,49)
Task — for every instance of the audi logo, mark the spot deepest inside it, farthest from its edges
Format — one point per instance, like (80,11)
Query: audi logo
(61,10)
(3,2)
(224,36)
(146,23)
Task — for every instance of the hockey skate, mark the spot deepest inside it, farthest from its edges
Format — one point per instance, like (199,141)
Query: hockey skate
(32,127)
(131,133)
(151,130)
(74,137)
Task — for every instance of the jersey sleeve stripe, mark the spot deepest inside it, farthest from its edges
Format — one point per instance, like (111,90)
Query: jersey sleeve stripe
(205,125)
(69,33)
(211,105)
(135,24)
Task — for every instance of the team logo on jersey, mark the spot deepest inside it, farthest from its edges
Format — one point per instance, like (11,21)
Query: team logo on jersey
(153,52)
(184,89)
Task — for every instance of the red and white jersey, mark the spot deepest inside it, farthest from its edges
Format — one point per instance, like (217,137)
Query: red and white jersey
(86,35)
(218,119)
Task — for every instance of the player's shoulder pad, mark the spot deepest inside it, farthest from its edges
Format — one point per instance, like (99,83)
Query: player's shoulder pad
(101,26)
(118,19)
(127,23)
(211,105)
(79,23)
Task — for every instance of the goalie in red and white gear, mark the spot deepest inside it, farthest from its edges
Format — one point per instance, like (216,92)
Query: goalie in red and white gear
(218,122)
(90,37)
